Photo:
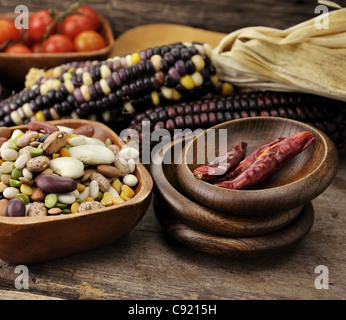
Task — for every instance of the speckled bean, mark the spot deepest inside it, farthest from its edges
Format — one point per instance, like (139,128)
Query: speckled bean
(37,209)
(26,138)
(38,164)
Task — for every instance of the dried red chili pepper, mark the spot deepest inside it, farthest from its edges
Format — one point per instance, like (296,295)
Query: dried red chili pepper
(269,161)
(247,162)
(222,164)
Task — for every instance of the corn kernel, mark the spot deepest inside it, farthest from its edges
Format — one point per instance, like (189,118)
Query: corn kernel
(64,152)
(55,155)
(187,82)
(156,61)
(67,76)
(16,118)
(105,87)
(1,162)
(74,207)
(167,92)
(118,200)
(69,86)
(86,78)
(117,185)
(105,71)
(26,189)
(197,79)
(107,199)
(176,94)
(27,110)
(227,89)
(135,58)
(39,116)
(128,192)
(155,98)
(198,62)
(80,187)
(84,89)
(214,79)
(128,59)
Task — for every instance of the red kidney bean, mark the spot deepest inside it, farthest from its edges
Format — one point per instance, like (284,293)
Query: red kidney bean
(42,127)
(270,160)
(86,130)
(50,183)
(15,208)
(221,164)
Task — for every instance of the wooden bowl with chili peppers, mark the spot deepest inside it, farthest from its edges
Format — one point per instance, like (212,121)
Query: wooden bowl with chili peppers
(217,233)
(308,170)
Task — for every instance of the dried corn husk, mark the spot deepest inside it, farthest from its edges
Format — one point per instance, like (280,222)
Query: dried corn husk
(302,58)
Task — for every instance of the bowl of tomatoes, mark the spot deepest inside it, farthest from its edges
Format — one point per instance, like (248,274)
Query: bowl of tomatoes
(51,39)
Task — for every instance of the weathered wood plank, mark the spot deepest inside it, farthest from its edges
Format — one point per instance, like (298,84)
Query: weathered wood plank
(220,15)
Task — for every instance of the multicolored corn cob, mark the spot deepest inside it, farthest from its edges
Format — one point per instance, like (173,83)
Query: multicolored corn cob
(102,90)
(326,114)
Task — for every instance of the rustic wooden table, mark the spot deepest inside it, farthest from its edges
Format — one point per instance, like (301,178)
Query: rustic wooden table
(147,264)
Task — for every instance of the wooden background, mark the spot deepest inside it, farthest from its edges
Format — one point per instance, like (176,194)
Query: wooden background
(218,15)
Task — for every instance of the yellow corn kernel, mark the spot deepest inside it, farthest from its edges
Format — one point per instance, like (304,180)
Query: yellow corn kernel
(40,134)
(19,135)
(124,197)
(105,71)
(135,58)
(26,189)
(155,98)
(64,152)
(89,199)
(227,89)
(105,87)
(107,199)
(55,155)
(128,60)
(187,82)
(117,185)
(118,200)
(74,207)
(67,76)
(86,78)
(198,62)
(176,94)
(84,89)
(127,191)
(39,116)
(1,162)
(80,187)
(214,79)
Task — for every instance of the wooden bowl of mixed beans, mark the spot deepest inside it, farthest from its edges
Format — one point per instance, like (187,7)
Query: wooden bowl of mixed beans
(301,178)
(63,192)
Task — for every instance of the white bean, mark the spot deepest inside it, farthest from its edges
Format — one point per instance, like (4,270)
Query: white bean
(5,145)
(77,141)
(113,192)
(10,192)
(66,198)
(27,174)
(21,161)
(129,153)
(130,180)
(16,133)
(94,189)
(132,165)
(84,194)
(6,167)
(9,155)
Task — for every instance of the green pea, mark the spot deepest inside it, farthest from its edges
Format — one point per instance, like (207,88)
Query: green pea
(50,200)
(61,205)
(15,183)
(16,173)
(65,211)
(13,144)
(23,197)
(99,196)
(79,200)
(36,152)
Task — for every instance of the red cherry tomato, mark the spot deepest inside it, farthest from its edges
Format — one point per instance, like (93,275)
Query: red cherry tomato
(18,48)
(90,13)
(38,24)
(8,31)
(88,41)
(74,24)
(57,43)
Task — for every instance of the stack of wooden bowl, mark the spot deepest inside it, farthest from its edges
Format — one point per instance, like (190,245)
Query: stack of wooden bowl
(241,223)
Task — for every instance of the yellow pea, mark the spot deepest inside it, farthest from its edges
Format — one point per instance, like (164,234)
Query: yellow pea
(128,192)
(74,207)
(107,199)
(118,200)
(124,196)
(117,185)
(80,187)
(89,199)
(26,189)
(64,152)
